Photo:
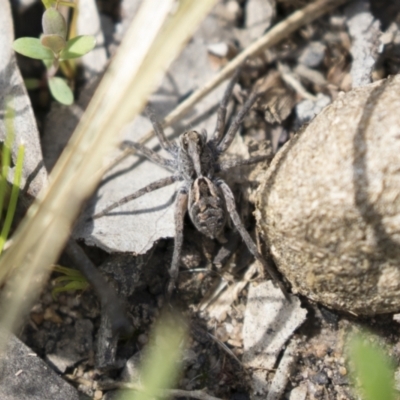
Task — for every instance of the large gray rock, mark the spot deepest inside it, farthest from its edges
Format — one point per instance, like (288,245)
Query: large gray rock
(329,206)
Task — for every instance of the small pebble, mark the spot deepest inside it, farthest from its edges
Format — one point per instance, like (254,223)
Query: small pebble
(396,318)
(51,315)
(320,378)
(37,308)
(320,350)
(143,339)
(233,10)
(313,54)
(98,394)
(219,49)
(37,318)
(342,371)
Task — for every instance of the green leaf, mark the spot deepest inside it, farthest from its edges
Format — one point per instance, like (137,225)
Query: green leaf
(31,47)
(54,42)
(67,271)
(69,286)
(74,278)
(53,23)
(61,91)
(373,370)
(32,83)
(78,46)
(64,278)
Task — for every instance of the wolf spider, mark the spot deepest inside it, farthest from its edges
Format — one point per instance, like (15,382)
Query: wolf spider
(195,162)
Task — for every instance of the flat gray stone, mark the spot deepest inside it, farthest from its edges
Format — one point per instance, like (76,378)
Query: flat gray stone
(307,109)
(364,30)
(313,54)
(24,376)
(34,175)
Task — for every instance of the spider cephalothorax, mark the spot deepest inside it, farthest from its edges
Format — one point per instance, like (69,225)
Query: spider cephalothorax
(195,162)
(196,157)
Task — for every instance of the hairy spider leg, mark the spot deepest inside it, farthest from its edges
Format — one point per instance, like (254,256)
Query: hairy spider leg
(231,207)
(158,129)
(235,125)
(228,164)
(181,205)
(150,154)
(220,127)
(169,180)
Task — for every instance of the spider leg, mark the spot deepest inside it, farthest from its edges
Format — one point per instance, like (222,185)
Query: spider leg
(150,154)
(219,129)
(180,210)
(231,208)
(228,164)
(158,129)
(228,138)
(147,189)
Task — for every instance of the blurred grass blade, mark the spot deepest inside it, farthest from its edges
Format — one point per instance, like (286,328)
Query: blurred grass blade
(6,152)
(14,197)
(150,45)
(372,370)
(161,365)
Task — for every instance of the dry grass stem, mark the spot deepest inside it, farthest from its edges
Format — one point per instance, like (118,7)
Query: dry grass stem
(133,74)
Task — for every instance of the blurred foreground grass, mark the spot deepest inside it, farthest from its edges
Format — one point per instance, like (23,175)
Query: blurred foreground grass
(162,361)
(372,370)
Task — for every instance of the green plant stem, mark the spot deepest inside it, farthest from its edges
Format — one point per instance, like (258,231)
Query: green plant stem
(14,197)
(6,154)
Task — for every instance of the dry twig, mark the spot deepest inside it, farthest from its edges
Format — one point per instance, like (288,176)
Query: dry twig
(277,33)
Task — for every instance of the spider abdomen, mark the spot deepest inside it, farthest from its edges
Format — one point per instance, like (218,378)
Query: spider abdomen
(207,208)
